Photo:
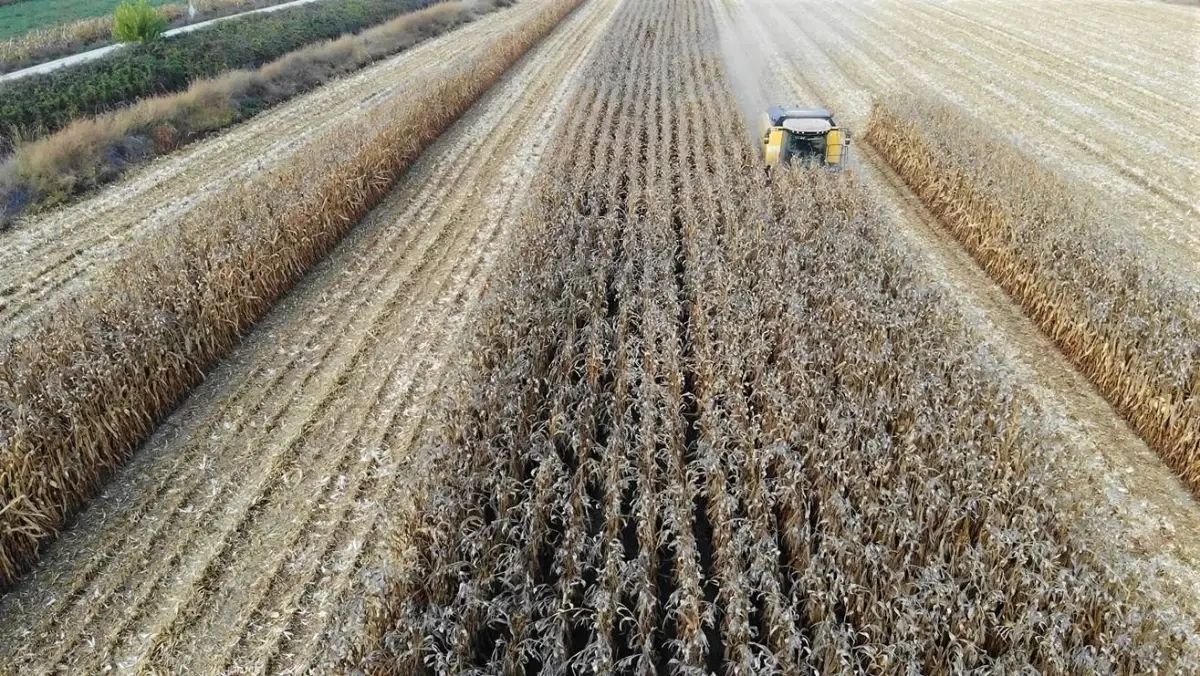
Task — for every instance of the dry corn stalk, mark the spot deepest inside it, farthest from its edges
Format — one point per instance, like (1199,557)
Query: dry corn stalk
(84,386)
(721,426)
(1126,324)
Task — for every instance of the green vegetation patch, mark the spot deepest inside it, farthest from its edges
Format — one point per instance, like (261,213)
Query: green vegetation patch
(21,17)
(92,151)
(42,104)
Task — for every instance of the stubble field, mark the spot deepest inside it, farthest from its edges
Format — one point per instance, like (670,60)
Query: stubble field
(587,391)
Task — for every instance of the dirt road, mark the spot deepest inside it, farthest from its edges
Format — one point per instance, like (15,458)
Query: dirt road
(229,544)
(47,258)
(1141,514)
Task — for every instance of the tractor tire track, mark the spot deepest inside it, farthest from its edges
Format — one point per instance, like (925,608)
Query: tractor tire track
(246,519)
(1143,516)
(47,258)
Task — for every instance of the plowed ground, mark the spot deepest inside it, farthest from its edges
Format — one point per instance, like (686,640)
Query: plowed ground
(232,541)
(1009,63)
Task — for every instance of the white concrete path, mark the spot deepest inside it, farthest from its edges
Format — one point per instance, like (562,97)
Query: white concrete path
(92,55)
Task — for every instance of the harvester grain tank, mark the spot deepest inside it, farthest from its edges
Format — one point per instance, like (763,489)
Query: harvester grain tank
(803,135)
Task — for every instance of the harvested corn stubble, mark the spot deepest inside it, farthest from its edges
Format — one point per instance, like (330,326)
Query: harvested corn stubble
(1125,323)
(722,425)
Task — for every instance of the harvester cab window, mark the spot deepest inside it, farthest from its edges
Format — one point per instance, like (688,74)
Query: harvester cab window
(802,147)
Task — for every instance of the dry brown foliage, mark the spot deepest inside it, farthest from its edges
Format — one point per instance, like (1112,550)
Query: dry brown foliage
(52,42)
(92,151)
(720,425)
(1057,249)
(84,386)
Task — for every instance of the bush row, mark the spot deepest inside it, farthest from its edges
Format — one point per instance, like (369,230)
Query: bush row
(87,383)
(42,104)
(93,151)
(51,42)
(1058,250)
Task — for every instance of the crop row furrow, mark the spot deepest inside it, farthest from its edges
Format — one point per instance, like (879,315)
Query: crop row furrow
(183,306)
(720,424)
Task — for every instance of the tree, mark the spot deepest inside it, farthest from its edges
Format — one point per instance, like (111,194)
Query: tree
(137,22)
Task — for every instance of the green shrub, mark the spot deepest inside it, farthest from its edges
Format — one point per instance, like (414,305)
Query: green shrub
(42,104)
(94,150)
(137,22)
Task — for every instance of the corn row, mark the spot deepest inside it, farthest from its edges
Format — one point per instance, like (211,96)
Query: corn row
(800,462)
(1124,322)
(83,387)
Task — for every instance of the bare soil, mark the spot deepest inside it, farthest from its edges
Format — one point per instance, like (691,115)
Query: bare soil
(235,539)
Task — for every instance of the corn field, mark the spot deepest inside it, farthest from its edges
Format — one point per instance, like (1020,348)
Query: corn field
(720,424)
(83,386)
(1129,326)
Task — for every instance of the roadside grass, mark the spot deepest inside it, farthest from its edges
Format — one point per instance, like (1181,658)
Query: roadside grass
(21,17)
(92,151)
(39,105)
(64,39)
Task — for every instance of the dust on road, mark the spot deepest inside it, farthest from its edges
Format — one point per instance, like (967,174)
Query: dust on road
(806,53)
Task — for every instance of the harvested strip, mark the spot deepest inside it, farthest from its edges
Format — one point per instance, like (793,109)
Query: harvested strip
(276,474)
(46,259)
(87,386)
(774,375)
(1041,75)
(1127,325)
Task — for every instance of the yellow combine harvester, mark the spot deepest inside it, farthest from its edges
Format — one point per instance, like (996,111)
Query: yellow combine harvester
(803,135)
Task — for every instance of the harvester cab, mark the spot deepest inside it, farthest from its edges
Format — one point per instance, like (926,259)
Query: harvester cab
(803,135)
